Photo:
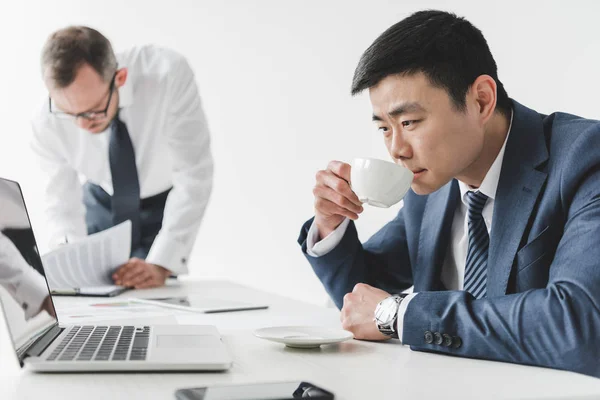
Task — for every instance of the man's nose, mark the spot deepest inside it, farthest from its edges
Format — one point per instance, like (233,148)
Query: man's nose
(84,123)
(401,149)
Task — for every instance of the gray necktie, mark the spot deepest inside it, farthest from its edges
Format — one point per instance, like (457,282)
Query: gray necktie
(479,242)
(126,185)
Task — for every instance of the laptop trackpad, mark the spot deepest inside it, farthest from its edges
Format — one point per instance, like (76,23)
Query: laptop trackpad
(184,341)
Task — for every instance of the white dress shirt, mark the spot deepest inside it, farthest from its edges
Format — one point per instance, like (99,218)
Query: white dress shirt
(453,270)
(20,279)
(161,107)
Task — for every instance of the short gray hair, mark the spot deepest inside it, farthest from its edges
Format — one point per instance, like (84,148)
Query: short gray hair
(66,50)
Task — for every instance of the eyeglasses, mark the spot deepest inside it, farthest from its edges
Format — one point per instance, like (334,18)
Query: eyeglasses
(89,115)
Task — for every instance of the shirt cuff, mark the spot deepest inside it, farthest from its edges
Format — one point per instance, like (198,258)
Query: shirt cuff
(169,253)
(31,292)
(316,248)
(401,311)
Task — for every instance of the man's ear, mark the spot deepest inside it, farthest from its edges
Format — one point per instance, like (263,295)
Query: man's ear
(484,93)
(120,77)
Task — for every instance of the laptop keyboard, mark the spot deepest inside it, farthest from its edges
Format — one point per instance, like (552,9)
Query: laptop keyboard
(103,343)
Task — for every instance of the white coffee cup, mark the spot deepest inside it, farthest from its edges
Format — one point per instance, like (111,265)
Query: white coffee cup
(379,183)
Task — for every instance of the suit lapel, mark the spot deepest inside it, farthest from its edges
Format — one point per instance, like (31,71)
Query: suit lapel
(436,229)
(518,189)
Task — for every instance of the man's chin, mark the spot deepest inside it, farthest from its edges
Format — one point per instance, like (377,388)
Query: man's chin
(97,129)
(423,189)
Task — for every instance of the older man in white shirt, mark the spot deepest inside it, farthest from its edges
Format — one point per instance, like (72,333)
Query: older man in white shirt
(123,137)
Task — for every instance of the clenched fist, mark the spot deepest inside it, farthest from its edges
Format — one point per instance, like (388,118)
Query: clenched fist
(358,312)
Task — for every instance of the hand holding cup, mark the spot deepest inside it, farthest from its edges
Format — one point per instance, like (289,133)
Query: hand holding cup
(334,199)
(341,190)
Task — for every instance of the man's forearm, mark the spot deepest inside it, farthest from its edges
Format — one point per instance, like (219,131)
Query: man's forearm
(549,327)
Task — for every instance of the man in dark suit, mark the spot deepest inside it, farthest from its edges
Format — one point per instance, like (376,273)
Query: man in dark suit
(500,234)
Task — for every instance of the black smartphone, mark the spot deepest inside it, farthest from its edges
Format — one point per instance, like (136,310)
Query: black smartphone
(256,391)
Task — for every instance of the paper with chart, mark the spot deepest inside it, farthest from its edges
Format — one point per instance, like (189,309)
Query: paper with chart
(114,309)
(90,261)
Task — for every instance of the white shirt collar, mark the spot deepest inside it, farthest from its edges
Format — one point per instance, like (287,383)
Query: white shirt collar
(126,91)
(489,185)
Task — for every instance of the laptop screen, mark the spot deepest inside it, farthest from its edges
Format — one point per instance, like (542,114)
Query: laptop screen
(24,294)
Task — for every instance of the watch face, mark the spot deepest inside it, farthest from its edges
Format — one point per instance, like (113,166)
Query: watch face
(386,311)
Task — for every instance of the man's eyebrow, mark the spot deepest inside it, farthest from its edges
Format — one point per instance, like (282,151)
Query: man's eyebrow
(99,104)
(91,109)
(402,109)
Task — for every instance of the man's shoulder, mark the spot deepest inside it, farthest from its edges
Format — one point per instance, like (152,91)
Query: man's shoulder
(570,135)
(570,125)
(149,58)
(573,144)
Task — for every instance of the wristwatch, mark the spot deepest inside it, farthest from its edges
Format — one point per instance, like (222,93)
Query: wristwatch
(386,314)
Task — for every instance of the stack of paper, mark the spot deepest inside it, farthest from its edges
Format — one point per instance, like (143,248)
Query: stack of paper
(90,261)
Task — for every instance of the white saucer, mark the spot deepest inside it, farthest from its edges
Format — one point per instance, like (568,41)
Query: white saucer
(305,337)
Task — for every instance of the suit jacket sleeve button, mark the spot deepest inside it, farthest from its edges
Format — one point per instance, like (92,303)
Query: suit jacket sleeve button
(447,340)
(428,337)
(456,342)
(437,338)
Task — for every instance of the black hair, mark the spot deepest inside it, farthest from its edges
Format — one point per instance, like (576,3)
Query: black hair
(448,49)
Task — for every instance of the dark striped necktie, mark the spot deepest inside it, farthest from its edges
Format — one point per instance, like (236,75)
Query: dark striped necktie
(479,242)
(126,186)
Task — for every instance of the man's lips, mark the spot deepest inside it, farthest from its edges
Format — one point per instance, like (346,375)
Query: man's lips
(417,173)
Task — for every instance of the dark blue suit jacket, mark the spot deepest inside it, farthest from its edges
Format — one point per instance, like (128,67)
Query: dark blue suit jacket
(543,287)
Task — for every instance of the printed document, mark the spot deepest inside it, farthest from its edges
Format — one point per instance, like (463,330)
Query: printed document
(90,261)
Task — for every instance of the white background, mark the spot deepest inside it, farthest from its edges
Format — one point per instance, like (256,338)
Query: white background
(275,79)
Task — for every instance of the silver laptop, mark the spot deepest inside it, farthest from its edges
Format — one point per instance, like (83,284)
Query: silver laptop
(42,344)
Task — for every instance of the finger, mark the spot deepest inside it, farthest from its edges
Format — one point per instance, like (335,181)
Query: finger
(118,275)
(131,273)
(120,271)
(360,287)
(339,184)
(347,322)
(341,169)
(151,282)
(130,278)
(347,326)
(145,284)
(326,207)
(138,279)
(125,267)
(327,193)
(347,300)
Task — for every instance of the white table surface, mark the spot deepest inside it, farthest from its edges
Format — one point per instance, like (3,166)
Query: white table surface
(352,370)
